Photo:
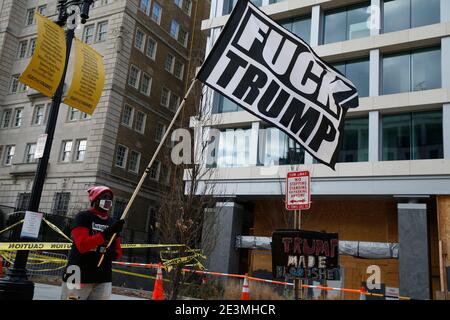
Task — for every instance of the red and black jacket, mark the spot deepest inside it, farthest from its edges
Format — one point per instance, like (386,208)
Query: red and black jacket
(89,244)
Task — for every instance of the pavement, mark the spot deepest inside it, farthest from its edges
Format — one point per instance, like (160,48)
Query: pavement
(49,292)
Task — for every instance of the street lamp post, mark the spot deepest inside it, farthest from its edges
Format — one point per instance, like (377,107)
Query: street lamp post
(16,286)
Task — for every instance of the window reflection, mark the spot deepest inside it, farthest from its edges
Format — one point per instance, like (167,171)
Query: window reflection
(412,136)
(276,148)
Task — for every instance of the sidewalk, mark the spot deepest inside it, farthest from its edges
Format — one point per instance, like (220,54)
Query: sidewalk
(49,292)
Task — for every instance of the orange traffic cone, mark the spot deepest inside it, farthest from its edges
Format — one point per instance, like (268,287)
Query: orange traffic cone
(158,290)
(245,295)
(362,296)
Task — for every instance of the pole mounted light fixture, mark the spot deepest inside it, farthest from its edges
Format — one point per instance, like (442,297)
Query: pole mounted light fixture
(16,286)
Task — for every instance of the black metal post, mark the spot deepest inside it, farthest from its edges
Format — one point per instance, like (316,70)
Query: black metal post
(16,286)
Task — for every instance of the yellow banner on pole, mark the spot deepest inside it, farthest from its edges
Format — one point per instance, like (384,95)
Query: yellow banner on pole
(88,79)
(46,67)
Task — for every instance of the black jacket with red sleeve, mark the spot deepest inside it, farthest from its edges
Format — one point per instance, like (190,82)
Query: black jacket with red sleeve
(89,244)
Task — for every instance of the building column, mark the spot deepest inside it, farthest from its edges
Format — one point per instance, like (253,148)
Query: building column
(443,209)
(254,144)
(374,136)
(375,19)
(446,129)
(414,266)
(445,66)
(445,10)
(221,226)
(374,71)
(316,26)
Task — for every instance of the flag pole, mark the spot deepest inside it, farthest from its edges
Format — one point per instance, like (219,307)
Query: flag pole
(147,170)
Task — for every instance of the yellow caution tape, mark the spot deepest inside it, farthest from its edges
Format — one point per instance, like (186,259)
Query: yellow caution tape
(20,246)
(12,226)
(56,229)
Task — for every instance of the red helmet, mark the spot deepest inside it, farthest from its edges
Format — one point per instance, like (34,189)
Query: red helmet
(95,192)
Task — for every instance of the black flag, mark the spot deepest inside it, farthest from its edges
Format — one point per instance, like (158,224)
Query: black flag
(276,76)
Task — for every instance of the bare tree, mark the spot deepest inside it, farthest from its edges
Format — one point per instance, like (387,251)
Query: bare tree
(188,192)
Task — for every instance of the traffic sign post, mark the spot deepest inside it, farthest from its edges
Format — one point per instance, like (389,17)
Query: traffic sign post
(298,195)
(298,198)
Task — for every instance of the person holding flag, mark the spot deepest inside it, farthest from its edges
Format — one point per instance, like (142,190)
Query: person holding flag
(91,231)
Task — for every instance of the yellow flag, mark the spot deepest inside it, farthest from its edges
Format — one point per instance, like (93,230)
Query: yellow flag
(46,67)
(88,79)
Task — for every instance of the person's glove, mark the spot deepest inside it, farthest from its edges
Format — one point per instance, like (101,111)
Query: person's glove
(116,227)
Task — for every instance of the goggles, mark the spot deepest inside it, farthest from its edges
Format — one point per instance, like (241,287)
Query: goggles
(105,204)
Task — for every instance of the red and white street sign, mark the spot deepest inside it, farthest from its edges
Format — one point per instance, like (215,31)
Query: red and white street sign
(298,195)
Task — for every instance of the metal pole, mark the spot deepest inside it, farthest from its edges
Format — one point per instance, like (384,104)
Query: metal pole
(16,285)
(298,289)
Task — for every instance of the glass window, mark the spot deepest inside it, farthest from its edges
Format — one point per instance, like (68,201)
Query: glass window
(182,37)
(165,94)
(223,104)
(39,114)
(151,48)
(405,14)
(61,205)
(88,34)
(156,12)
(357,22)
(234,148)
(102,31)
(145,6)
(42,9)
(160,131)
(146,84)
(81,150)
(174,26)
(139,123)
(335,26)
(18,118)
(427,135)
(29,153)
(134,161)
(300,26)
(14,84)
(23,200)
(127,115)
(139,41)
(66,150)
(358,72)
(187,6)
(74,114)
(133,79)
(346,23)
(119,208)
(412,136)
(396,73)
(30,17)
(22,51)
(169,63)
(178,70)
(412,71)
(278,149)
(425,12)
(121,156)
(426,69)
(174,101)
(154,170)
(396,15)
(6,118)
(31,47)
(9,155)
(355,147)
